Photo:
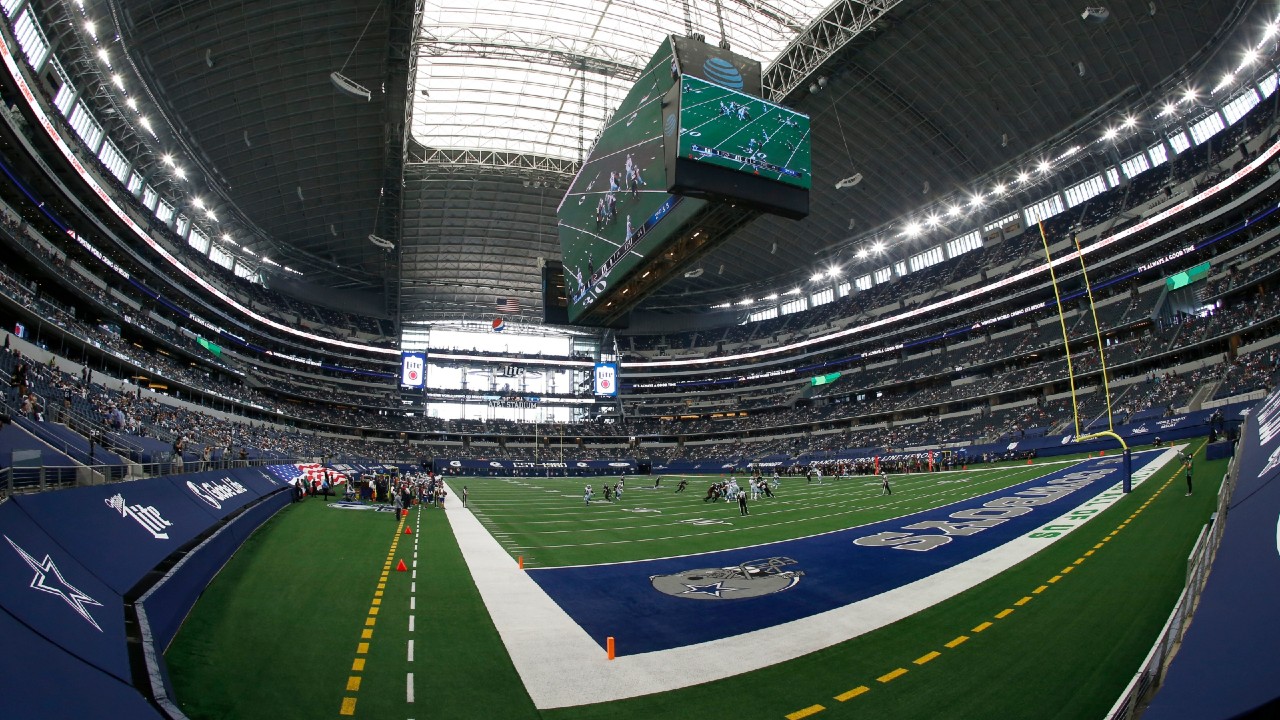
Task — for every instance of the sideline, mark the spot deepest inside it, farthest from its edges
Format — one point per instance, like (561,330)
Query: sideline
(552,653)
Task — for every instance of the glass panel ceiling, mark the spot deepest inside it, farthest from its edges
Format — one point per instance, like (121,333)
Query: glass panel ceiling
(540,77)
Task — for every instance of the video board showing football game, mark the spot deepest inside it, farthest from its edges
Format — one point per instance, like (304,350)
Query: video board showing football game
(734,130)
(617,211)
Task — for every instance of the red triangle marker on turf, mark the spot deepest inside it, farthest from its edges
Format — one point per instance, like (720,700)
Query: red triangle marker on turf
(400,567)
(407,530)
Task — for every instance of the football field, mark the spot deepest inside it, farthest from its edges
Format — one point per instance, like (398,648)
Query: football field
(312,618)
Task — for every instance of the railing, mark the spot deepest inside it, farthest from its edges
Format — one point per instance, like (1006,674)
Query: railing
(39,478)
(1148,679)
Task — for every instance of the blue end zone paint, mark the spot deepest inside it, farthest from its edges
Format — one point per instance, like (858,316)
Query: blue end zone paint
(620,599)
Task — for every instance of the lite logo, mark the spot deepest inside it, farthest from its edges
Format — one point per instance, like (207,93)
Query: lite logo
(45,569)
(145,515)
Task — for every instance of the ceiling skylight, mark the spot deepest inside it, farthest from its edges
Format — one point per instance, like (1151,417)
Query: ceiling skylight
(540,77)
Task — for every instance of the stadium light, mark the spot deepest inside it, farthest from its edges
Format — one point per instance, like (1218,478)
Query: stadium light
(976,200)
(168,159)
(1189,95)
(932,220)
(862,253)
(132,103)
(1110,134)
(833,271)
(771,296)
(1043,167)
(1250,57)
(117,80)
(816,277)
(104,56)
(912,230)
(198,202)
(90,28)
(953,210)
(1023,176)
(877,247)
(999,189)
(1169,109)
(1130,121)
(182,174)
(793,291)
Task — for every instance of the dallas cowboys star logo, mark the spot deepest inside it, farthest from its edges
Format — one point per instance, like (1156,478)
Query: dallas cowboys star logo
(714,589)
(63,589)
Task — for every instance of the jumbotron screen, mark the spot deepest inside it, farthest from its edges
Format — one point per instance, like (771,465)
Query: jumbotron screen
(734,130)
(617,212)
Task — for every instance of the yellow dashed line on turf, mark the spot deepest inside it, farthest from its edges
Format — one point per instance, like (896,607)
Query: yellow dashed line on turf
(892,675)
(811,710)
(851,694)
(961,639)
(348,706)
(926,657)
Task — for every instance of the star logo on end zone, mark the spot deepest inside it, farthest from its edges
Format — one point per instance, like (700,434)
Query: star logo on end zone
(63,589)
(750,579)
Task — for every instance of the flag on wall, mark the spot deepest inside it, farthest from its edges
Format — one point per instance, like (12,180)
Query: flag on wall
(508,305)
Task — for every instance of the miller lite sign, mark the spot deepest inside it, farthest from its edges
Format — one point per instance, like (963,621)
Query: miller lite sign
(606,379)
(413,369)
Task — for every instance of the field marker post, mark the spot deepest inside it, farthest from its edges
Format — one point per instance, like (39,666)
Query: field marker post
(608,643)
(520,561)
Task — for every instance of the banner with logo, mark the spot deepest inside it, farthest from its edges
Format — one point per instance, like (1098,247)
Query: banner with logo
(123,530)
(45,588)
(1225,667)
(523,467)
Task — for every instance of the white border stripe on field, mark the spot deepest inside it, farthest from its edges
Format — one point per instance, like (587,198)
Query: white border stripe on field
(553,654)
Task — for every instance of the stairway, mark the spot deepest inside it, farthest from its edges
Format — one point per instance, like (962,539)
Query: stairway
(1203,393)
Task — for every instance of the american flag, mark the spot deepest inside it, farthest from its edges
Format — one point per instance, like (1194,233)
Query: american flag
(315,471)
(311,471)
(508,305)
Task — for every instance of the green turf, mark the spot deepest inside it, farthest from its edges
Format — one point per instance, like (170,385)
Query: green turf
(283,619)
(545,520)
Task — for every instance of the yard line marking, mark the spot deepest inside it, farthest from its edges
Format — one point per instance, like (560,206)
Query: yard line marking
(811,710)
(366,634)
(362,649)
(410,623)
(982,627)
(1055,579)
(1026,599)
(413,602)
(851,694)
(357,665)
(410,650)
(1040,589)
(413,587)
(957,642)
(353,683)
(926,657)
(892,675)
(1068,569)
(408,689)
(348,706)
(1004,613)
